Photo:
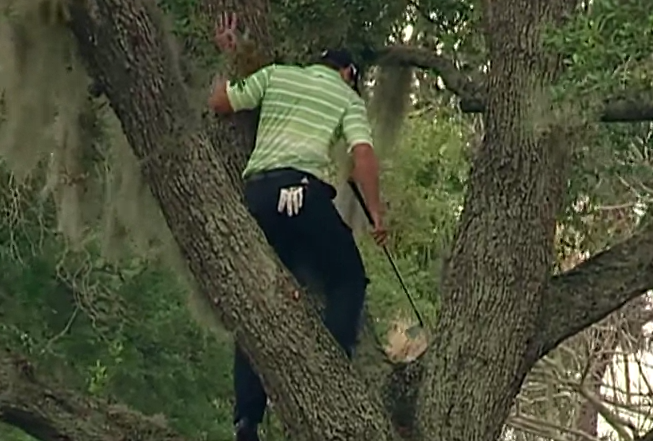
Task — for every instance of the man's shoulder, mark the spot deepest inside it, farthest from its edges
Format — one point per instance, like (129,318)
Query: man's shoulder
(355,98)
(286,69)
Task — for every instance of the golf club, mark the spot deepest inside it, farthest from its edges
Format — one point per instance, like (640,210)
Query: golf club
(361,201)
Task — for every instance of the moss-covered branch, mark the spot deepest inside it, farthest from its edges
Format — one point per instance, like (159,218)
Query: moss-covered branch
(50,412)
(471,93)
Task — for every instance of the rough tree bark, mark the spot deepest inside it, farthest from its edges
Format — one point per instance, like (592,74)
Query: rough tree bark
(225,251)
(394,381)
(589,292)
(502,255)
(235,135)
(497,289)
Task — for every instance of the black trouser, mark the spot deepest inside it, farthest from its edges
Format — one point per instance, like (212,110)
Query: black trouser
(319,249)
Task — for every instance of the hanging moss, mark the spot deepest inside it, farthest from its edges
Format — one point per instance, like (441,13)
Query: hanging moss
(53,128)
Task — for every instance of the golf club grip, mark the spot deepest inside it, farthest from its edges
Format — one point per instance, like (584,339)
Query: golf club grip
(361,201)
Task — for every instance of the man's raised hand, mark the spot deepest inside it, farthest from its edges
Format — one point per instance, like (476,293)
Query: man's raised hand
(226,38)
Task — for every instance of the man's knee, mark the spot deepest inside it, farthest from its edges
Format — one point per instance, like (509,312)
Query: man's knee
(344,305)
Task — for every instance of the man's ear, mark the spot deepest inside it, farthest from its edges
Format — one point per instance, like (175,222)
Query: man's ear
(351,73)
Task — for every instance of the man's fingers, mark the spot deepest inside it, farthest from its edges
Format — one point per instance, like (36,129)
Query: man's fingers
(234,21)
(379,234)
(220,23)
(226,22)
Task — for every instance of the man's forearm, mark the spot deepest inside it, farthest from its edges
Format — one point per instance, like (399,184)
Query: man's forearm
(366,175)
(218,100)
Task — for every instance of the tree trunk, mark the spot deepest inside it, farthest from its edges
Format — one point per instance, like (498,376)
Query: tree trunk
(495,278)
(124,48)
(503,251)
(377,369)
(239,129)
(50,413)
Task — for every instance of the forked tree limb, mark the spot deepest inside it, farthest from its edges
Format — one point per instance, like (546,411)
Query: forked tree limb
(123,42)
(595,288)
(371,359)
(454,79)
(49,412)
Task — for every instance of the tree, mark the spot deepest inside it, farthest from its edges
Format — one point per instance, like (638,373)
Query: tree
(500,307)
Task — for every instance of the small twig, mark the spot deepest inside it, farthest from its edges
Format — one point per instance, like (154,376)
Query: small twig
(63,332)
(618,423)
(534,422)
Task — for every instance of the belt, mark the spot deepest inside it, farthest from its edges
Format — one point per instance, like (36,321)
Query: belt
(292,173)
(279,172)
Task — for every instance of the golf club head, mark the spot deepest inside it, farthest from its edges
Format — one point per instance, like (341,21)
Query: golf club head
(414,331)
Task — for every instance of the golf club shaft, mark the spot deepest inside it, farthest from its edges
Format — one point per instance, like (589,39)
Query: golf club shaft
(361,201)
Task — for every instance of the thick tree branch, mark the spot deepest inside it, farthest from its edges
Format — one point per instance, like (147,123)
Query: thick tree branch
(321,397)
(400,394)
(453,78)
(471,94)
(395,382)
(628,110)
(602,284)
(49,412)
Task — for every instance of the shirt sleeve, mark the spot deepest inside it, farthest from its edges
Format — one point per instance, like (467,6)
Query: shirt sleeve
(355,125)
(247,94)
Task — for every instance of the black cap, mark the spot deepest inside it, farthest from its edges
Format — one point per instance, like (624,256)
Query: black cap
(343,59)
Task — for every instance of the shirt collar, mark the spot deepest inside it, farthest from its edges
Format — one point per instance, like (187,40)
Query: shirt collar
(325,70)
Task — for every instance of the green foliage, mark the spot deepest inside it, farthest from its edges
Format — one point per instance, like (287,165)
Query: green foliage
(424,183)
(356,24)
(114,332)
(609,188)
(193,30)
(123,331)
(606,49)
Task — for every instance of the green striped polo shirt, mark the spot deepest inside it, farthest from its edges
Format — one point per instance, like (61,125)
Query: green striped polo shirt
(304,112)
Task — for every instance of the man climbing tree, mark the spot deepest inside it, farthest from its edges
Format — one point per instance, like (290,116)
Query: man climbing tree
(304,110)
(501,307)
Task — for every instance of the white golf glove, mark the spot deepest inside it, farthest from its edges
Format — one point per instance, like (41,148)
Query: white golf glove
(291,200)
